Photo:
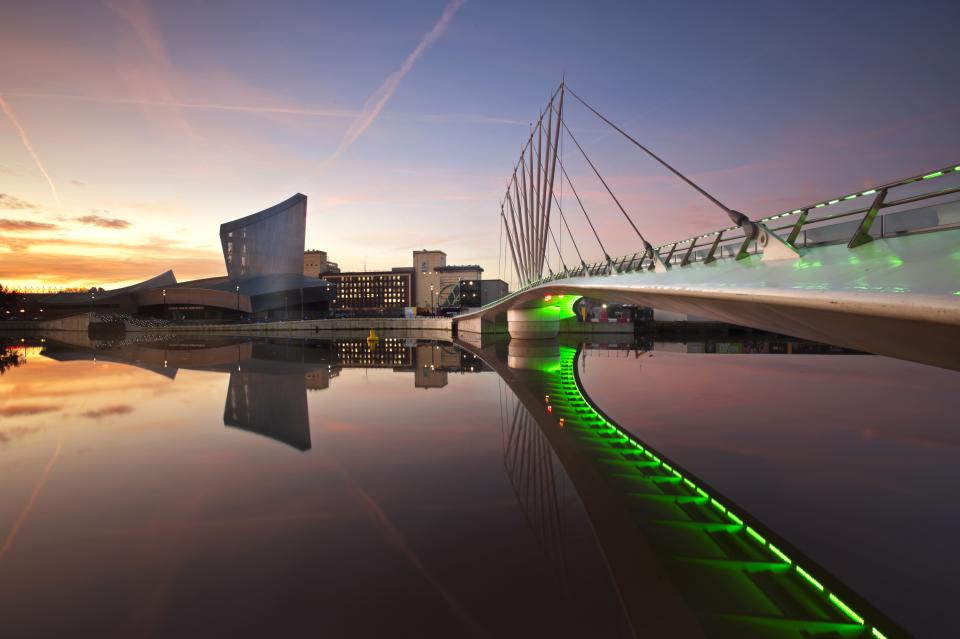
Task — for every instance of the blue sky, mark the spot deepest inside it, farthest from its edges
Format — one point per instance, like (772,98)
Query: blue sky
(172,117)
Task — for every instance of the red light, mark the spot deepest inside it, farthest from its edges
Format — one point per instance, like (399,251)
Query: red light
(549,409)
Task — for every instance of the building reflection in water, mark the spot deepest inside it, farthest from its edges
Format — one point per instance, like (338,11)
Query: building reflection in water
(270,377)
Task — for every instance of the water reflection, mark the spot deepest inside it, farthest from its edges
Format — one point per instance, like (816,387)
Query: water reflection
(270,377)
(620,541)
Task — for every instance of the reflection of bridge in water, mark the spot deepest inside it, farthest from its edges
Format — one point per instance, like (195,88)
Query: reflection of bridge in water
(686,560)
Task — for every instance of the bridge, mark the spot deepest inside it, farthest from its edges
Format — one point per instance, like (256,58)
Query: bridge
(876,269)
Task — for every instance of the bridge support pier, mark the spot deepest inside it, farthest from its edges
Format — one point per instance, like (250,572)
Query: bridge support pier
(533,355)
(533,323)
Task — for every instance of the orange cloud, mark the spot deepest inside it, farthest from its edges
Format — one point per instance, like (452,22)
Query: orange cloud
(6,224)
(103,222)
(56,261)
(107,411)
(27,409)
(9,202)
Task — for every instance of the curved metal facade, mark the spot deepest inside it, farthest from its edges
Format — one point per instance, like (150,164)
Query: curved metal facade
(270,242)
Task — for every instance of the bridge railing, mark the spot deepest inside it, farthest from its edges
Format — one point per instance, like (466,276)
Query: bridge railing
(845,219)
(871,212)
(828,222)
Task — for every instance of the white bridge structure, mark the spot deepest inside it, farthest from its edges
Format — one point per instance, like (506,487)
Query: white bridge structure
(876,270)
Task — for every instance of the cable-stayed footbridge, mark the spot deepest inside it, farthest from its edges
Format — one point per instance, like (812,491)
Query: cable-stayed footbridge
(876,269)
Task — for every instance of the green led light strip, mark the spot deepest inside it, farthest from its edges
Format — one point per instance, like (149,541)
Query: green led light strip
(585,411)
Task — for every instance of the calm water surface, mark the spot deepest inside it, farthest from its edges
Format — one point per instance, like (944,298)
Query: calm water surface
(289,487)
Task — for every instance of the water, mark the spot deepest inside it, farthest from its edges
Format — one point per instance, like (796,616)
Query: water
(238,487)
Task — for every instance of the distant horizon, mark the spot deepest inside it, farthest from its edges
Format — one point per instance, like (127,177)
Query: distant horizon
(130,129)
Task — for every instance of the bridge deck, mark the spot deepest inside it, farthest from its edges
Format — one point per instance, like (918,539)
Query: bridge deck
(898,296)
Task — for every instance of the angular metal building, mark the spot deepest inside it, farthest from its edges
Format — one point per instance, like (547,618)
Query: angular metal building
(270,242)
(263,255)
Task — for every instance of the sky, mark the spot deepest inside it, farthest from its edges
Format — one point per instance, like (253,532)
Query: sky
(131,129)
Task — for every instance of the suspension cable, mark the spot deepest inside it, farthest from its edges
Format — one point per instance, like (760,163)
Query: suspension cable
(620,206)
(563,170)
(560,255)
(738,218)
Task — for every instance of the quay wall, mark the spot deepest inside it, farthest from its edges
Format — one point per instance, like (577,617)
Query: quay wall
(431,324)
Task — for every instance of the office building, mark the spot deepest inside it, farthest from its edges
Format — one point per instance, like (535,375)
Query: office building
(437,285)
(387,292)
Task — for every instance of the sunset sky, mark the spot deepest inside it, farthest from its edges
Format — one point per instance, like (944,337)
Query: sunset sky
(130,129)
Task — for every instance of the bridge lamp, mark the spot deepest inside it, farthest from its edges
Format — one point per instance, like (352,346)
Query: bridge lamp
(547,298)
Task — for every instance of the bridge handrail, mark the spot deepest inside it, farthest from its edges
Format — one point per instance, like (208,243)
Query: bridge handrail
(628,263)
(919,178)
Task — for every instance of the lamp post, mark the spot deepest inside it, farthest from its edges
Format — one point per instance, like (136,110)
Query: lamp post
(238,298)
(164,292)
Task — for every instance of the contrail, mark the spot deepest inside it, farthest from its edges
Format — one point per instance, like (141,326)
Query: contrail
(8,542)
(26,143)
(280,110)
(379,98)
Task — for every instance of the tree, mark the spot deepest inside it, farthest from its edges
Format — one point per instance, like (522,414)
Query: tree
(8,300)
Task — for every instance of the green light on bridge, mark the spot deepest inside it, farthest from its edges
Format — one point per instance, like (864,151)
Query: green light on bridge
(833,201)
(929,176)
(753,533)
(878,634)
(851,197)
(846,609)
(779,553)
(806,575)
(870,192)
